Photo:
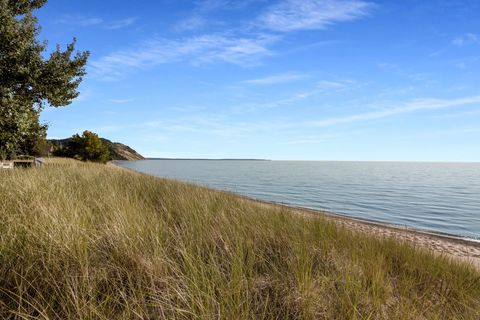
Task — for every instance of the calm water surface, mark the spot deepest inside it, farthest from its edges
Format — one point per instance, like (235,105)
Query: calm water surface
(440,197)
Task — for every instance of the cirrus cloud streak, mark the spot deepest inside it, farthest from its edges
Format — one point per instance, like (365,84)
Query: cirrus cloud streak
(293,15)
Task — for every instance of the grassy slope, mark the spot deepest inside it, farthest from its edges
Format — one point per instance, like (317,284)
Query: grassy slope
(85,241)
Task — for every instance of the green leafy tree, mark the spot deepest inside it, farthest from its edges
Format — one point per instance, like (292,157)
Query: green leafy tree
(87,147)
(28,80)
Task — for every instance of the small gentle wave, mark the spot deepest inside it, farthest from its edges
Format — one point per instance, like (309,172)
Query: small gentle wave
(438,197)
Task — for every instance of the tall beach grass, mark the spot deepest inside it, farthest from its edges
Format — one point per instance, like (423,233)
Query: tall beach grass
(87,241)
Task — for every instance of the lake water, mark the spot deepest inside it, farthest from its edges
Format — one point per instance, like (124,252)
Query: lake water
(439,197)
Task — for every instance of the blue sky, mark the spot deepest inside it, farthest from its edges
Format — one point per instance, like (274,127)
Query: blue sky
(280,79)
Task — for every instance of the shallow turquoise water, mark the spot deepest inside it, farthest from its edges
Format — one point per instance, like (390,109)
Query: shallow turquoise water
(440,197)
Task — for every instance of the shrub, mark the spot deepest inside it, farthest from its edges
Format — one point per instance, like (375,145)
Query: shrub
(87,147)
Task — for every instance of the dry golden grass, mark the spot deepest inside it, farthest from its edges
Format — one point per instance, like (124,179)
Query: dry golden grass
(87,241)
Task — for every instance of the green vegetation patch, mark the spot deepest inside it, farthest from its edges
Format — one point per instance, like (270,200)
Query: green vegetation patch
(87,241)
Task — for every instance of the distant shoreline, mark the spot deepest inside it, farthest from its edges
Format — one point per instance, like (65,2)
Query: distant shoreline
(206,159)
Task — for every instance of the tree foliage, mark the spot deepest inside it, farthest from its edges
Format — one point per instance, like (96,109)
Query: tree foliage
(87,147)
(21,131)
(28,80)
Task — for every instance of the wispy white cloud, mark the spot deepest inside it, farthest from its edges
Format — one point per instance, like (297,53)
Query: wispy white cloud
(226,126)
(191,23)
(232,46)
(277,79)
(292,15)
(119,24)
(200,124)
(243,51)
(408,73)
(409,107)
(323,87)
(82,21)
(466,63)
(78,20)
(87,22)
(466,39)
(388,66)
(436,53)
(204,13)
(120,101)
(212,5)
(325,84)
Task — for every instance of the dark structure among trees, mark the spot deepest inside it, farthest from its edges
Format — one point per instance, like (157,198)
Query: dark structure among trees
(28,81)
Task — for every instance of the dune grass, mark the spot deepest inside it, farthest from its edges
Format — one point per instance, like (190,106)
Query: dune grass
(87,241)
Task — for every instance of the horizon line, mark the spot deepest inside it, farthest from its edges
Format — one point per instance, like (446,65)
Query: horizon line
(309,160)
